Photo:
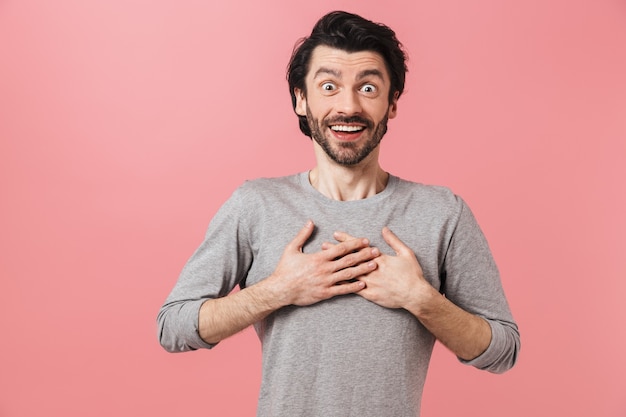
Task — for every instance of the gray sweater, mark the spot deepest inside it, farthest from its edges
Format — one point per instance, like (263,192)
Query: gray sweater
(345,356)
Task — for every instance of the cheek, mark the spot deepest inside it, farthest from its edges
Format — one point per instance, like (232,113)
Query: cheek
(319,105)
(316,111)
(380,112)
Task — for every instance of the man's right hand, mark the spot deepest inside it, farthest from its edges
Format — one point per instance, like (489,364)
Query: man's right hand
(299,279)
(304,279)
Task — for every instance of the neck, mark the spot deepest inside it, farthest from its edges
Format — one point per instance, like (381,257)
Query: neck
(345,183)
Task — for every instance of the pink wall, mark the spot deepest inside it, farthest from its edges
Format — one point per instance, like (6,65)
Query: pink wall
(125,124)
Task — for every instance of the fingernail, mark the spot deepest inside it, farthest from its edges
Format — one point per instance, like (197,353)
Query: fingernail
(375,252)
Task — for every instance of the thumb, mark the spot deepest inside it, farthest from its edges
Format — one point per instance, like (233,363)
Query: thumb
(303,235)
(394,241)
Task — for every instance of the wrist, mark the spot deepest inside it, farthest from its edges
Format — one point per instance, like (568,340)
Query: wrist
(268,293)
(424,300)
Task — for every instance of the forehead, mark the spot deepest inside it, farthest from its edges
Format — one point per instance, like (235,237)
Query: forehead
(347,64)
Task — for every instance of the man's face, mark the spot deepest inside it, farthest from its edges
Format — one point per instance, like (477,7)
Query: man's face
(346,102)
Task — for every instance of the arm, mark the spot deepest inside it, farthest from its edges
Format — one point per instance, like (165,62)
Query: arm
(399,282)
(300,279)
(465,334)
(473,319)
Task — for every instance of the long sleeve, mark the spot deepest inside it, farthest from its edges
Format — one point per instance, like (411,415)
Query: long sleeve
(219,264)
(472,281)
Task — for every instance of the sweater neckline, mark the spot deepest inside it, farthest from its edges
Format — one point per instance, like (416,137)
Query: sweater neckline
(303,178)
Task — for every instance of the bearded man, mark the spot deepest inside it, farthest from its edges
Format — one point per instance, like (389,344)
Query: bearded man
(348,273)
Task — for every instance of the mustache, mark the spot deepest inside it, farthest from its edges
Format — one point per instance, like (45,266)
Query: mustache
(348,120)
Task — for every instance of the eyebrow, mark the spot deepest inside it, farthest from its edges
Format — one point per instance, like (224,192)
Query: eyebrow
(360,75)
(329,71)
(368,72)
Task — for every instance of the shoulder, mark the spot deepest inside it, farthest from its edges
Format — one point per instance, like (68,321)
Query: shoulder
(261,190)
(431,198)
(262,184)
(253,199)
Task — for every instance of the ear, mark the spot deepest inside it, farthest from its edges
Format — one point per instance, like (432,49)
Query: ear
(300,108)
(393,106)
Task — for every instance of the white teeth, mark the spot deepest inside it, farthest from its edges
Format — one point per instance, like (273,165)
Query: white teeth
(343,128)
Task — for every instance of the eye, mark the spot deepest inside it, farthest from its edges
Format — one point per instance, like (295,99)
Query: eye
(328,86)
(369,88)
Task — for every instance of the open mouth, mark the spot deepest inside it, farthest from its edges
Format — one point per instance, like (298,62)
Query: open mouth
(348,133)
(347,128)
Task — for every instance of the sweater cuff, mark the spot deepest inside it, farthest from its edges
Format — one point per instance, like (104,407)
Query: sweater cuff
(489,358)
(191,332)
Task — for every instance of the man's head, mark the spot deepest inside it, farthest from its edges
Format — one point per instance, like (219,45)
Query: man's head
(350,33)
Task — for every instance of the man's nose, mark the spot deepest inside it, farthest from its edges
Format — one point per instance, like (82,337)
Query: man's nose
(349,102)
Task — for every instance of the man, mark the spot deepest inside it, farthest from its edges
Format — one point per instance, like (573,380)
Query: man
(347,272)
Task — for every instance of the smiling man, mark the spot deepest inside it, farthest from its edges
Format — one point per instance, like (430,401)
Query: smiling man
(348,273)
(348,92)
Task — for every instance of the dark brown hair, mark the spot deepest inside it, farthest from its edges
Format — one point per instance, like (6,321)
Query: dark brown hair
(351,33)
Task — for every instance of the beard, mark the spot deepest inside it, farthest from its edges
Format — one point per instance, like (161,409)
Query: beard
(346,153)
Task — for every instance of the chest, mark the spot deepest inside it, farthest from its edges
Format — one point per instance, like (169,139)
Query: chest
(427,239)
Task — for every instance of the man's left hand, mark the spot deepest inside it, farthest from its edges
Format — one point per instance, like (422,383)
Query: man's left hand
(399,281)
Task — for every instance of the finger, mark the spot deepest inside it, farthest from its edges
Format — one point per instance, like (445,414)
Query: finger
(303,235)
(355,258)
(394,241)
(328,245)
(346,247)
(342,236)
(355,273)
(346,288)
(339,237)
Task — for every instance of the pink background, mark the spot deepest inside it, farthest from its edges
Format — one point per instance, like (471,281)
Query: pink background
(124,125)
